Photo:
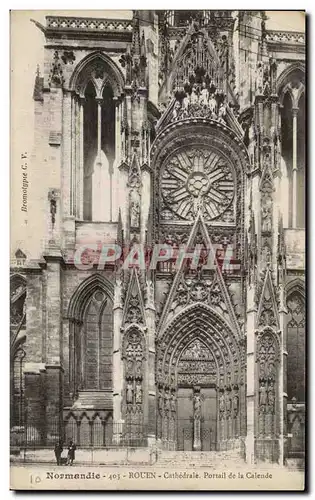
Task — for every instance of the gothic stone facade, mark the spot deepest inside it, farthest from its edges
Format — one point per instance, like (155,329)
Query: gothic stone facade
(179,128)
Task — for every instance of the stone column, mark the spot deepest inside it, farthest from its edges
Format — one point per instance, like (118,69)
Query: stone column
(118,369)
(294,167)
(251,376)
(197,416)
(150,378)
(35,422)
(80,163)
(54,340)
(283,396)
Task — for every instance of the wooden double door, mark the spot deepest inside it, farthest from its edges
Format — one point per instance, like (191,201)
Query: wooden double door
(186,415)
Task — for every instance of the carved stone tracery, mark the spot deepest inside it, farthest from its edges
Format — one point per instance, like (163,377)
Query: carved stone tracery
(268,359)
(133,356)
(197,176)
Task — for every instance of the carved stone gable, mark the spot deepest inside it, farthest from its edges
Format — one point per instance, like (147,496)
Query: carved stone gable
(189,288)
(267,309)
(134,307)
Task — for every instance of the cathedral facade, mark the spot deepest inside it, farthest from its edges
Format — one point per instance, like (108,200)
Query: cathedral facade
(165,306)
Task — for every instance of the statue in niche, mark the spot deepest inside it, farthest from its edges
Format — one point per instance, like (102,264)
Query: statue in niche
(138,394)
(129,366)
(173,404)
(228,404)
(139,368)
(235,404)
(161,402)
(185,104)
(259,78)
(262,397)
(222,113)
(266,254)
(222,404)
(167,402)
(213,104)
(135,211)
(176,110)
(194,95)
(271,397)
(266,215)
(204,95)
(197,407)
(129,397)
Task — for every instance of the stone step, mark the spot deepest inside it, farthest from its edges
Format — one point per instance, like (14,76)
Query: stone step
(195,458)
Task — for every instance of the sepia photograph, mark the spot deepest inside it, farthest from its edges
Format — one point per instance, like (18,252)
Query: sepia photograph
(157,266)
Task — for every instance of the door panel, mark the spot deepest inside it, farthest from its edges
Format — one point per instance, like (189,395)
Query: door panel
(208,419)
(184,419)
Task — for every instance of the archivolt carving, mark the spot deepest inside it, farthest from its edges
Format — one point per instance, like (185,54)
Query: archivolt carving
(198,322)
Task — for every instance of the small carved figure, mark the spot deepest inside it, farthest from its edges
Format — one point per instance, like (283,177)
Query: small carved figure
(204,95)
(222,403)
(213,105)
(167,402)
(235,404)
(173,403)
(161,402)
(138,367)
(259,78)
(138,394)
(262,397)
(176,110)
(222,113)
(135,214)
(271,397)
(194,95)
(129,396)
(185,102)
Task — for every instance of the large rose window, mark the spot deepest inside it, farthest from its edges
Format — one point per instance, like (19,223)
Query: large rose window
(195,179)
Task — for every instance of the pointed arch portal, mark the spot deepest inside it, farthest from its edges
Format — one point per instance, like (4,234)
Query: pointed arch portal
(200,383)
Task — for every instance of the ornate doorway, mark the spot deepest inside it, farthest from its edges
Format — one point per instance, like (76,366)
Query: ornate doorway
(200,391)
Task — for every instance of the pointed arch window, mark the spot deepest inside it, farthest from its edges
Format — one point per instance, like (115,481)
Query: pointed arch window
(96,344)
(97,86)
(292,99)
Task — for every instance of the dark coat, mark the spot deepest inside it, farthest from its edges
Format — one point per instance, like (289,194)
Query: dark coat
(71,451)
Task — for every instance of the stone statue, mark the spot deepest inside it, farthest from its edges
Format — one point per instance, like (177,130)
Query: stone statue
(167,402)
(161,403)
(222,113)
(259,78)
(271,397)
(222,404)
(138,367)
(228,404)
(262,397)
(138,394)
(235,405)
(204,95)
(135,213)
(194,96)
(176,110)
(213,105)
(129,396)
(185,103)
(173,403)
